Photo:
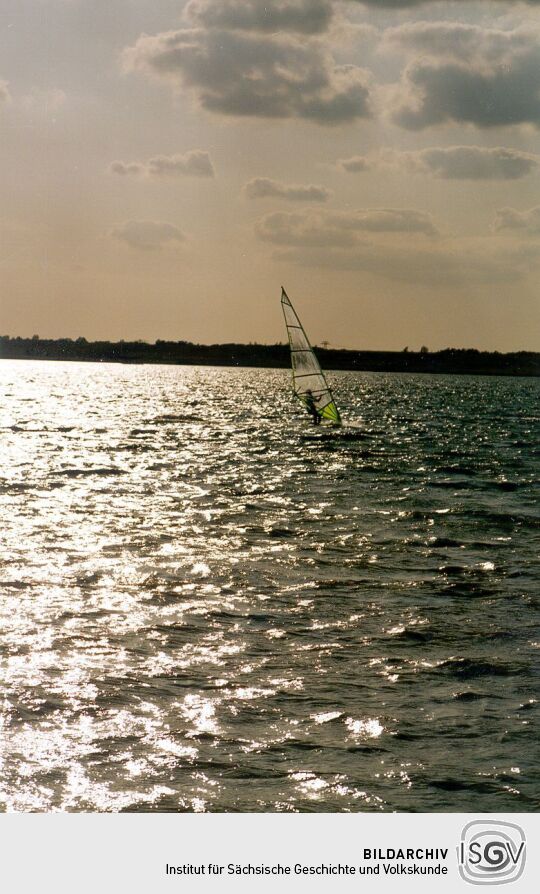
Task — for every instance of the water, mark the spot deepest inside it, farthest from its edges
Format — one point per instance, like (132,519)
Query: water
(210,605)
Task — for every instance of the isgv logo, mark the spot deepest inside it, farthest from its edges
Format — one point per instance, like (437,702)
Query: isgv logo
(491,852)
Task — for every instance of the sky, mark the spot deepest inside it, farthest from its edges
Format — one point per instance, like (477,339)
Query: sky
(167,165)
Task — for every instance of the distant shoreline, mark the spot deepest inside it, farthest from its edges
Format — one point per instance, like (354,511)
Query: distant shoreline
(457,361)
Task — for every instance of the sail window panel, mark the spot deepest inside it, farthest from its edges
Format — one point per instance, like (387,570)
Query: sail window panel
(302,362)
(298,340)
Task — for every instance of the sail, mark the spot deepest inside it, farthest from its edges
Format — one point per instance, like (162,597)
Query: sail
(307,373)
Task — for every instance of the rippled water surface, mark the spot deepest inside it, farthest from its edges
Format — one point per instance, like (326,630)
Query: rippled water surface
(210,605)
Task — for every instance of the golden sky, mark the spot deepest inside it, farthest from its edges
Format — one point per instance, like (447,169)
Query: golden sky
(168,165)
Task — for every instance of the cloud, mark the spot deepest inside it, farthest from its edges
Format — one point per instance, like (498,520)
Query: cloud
(446,93)
(315,230)
(451,162)
(511,219)
(263,188)
(355,164)
(302,16)
(472,163)
(453,41)
(409,4)
(147,235)
(455,264)
(467,74)
(4,91)
(396,244)
(194,164)
(245,74)
(342,229)
(129,169)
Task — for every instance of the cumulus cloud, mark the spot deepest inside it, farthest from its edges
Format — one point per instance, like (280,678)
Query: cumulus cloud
(511,219)
(263,188)
(467,74)
(472,163)
(356,164)
(250,74)
(147,235)
(303,16)
(446,93)
(195,164)
(342,229)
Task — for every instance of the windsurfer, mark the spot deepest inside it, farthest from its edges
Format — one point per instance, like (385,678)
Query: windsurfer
(312,408)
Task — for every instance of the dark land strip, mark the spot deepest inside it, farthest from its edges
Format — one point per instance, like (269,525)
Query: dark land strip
(450,360)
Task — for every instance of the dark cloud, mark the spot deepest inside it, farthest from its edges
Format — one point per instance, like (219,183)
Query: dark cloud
(194,164)
(472,163)
(467,74)
(342,229)
(444,93)
(244,74)
(356,164)
(4,92)
(511,219)
(263,188)
(147,235)
(302,16)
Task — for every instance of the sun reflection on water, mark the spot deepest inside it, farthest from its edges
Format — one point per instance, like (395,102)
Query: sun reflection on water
(211,606)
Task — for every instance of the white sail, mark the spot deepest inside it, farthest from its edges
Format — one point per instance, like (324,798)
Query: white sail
(308,378)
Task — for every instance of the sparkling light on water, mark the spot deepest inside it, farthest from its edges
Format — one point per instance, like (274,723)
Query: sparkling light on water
(206,604)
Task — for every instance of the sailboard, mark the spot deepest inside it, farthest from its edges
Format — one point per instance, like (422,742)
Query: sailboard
(309,382)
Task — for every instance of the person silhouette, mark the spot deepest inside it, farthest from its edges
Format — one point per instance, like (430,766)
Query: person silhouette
(312,407)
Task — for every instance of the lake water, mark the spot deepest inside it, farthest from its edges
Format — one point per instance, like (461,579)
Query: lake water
(208,604)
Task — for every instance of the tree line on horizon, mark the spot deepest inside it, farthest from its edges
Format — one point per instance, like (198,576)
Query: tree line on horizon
(448,360)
